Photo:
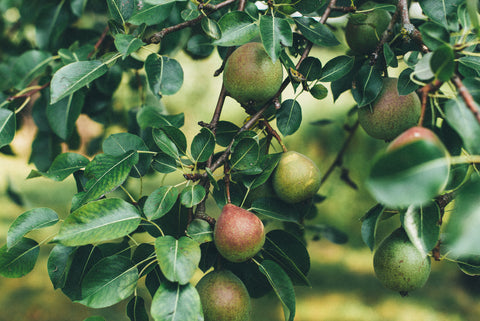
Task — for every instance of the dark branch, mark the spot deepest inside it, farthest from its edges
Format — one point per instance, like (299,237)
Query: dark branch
(467,97)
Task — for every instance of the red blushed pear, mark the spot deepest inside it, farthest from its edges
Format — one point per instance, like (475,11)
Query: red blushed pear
(238,234)
(414,134)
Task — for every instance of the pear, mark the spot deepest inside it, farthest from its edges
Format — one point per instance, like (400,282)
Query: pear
(390,114)
(296,177)
(224,297)
(399,265)
(250,76)
(238,234)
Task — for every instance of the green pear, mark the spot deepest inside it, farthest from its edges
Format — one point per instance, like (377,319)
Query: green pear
(399,265)
(390,114)
(224,297)
(296,178)
(238,234)
(250,76)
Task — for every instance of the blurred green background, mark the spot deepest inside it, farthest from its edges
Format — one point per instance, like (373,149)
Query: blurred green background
(343,283)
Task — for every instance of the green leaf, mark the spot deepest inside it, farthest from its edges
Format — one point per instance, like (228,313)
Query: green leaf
(423,70)
(58,264)
(160,202)
(268,164)
(203,145)
(275,32)
(442,12)
(275,208)
(28,221)
(469,66)
(336,68)
(98,221)
(176,302)
(226,132)
(78,7)
(289,253)
(389,55)
(28,66)
(405,85)
(74,76)
(164,164)
(110,281)
(434,35)
(81,261)
(150,116)
(121,143)
(211,28)
(178,259)
(421,225)
(192,195)
(136,310)
(245,155)
(237,29)
(200,231)
(443,63)
(151,14)
(63,166)
(165,144)
(105,173)
(469,264)
(20,259)
(316,32)
(289,117)
(369,225)
(177,137)
(460,118)
(120,10)
(319,91)
(369,83)
(63,114)
(412,174)
(311,68)
(165,75)
(126,44)
(8,126)
(282,285)
(461,233)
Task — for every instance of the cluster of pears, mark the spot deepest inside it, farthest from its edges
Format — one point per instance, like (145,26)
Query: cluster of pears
(252,78)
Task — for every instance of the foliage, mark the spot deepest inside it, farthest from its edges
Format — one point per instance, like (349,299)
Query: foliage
(72,66)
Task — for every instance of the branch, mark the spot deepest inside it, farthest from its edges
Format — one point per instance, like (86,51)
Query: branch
(29,93)
(157,37)
(338,160)
(467,97)
(433,86)
(99,42)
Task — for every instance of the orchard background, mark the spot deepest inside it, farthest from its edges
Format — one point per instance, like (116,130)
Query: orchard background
(38,39)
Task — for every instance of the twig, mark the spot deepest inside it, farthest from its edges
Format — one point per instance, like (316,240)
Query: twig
(157,37)
(408,28)
(338,159)
(272,132)
(386,34)
(424,95)
(29,93)
(467,97)
(99,42)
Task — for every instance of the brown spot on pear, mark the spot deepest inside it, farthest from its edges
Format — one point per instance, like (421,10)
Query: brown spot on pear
(238,234)
(224,297)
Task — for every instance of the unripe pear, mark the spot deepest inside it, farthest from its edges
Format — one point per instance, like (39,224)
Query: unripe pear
(250,76)
(415,134)
(399,265)
(364,30)
(390,114)
(224,297)
(296,178)
(238,234)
